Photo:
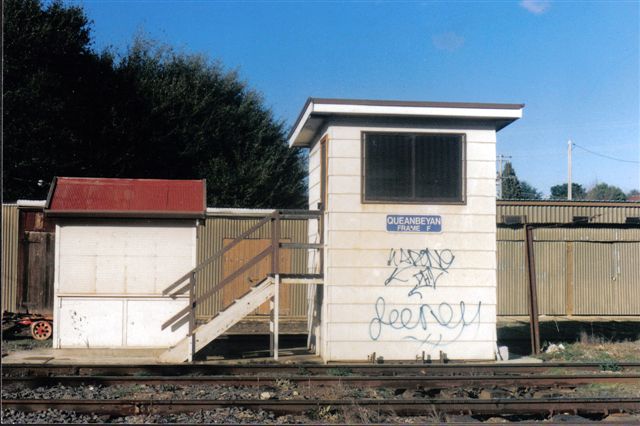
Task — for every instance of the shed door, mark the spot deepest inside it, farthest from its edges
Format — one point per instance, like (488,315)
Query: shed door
(238,256)
(37,291)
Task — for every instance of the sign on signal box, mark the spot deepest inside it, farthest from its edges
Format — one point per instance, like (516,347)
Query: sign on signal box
(414,223)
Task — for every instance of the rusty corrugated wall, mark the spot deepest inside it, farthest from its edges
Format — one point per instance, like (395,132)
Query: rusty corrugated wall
(580,271)
(210,239)
(564,212)
(10,221)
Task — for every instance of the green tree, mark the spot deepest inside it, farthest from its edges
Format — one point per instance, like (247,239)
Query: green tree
(514,189)
(190,118)
(529,192)
(605,192)
(510,183)
(57,95)
(559,192)
(154,113)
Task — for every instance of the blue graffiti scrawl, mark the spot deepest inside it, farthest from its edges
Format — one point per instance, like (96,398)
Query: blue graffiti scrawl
(422,268)
(423,323)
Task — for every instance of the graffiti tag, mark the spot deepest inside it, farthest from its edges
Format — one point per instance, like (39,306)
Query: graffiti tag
(422,268)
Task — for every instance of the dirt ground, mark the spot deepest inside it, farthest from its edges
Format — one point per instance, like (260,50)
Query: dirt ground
(583,340)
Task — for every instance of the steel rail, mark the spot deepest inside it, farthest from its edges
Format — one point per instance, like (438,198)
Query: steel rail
(9,370)
(400,407)
(359,381)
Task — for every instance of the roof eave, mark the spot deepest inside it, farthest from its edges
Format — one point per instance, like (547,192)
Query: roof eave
(500,114)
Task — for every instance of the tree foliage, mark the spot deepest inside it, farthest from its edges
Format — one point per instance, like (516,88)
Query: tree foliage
(605,192)
(529,192)
(56,96)
(559,192)
(514,189)
(154,113)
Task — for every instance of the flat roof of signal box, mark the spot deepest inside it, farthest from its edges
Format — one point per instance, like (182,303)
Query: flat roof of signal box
(317,110)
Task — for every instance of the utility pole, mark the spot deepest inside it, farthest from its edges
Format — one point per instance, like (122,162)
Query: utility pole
(500,158)
(569,183)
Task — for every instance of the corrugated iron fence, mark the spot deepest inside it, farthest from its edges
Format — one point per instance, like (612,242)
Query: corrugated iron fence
(580,271)
(10,223)
(211,238)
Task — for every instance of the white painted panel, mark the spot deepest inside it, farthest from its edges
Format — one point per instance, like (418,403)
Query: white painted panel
(77,274)
(409,350)
(345,184)
(424,329)
(344,167)
(481,169)
(357,261)
(144,320)
(87,323)
(481,187)
(141,274)
(453,241)
(127,257)
(111,275)
(378,258)
(364,313)
(399,294)
(481,151)
(347,148)
(374,277)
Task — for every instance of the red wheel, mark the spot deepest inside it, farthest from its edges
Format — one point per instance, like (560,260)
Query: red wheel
(41,330)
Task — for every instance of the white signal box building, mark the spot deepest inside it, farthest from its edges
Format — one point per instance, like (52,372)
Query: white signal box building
(409,198)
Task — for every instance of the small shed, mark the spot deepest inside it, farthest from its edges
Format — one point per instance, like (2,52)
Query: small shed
(119,243)
(409,200)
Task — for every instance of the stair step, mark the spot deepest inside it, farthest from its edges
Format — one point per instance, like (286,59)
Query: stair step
(223,321)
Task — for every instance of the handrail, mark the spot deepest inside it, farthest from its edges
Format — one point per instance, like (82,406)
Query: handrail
(222,283)
(219,253)
(273,249)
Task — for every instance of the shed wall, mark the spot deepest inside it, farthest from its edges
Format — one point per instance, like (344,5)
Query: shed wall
(399,294)
(109,279)
(10,221)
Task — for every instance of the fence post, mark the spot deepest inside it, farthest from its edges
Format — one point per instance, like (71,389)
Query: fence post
(533,292)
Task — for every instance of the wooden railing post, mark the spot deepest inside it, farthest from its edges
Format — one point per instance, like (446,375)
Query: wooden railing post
(275,270)
(192,315)
(275,243)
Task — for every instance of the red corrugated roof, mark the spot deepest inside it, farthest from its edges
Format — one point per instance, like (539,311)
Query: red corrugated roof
(127,197)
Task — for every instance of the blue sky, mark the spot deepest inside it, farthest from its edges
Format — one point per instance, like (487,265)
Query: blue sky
(574,64)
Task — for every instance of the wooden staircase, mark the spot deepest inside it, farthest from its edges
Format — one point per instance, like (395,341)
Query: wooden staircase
(223,321)
(267,289)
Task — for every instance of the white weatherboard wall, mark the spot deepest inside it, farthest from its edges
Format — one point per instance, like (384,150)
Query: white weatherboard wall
(109,280)
(374,300)
(314,292)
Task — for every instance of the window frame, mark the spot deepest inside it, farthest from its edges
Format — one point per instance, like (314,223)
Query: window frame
(462,200)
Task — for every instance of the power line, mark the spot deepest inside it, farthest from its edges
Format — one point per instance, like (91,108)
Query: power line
(605,156)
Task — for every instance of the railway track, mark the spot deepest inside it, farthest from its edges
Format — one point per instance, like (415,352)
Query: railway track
(33,370)
(406,381)
(401,407)
(530,380)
